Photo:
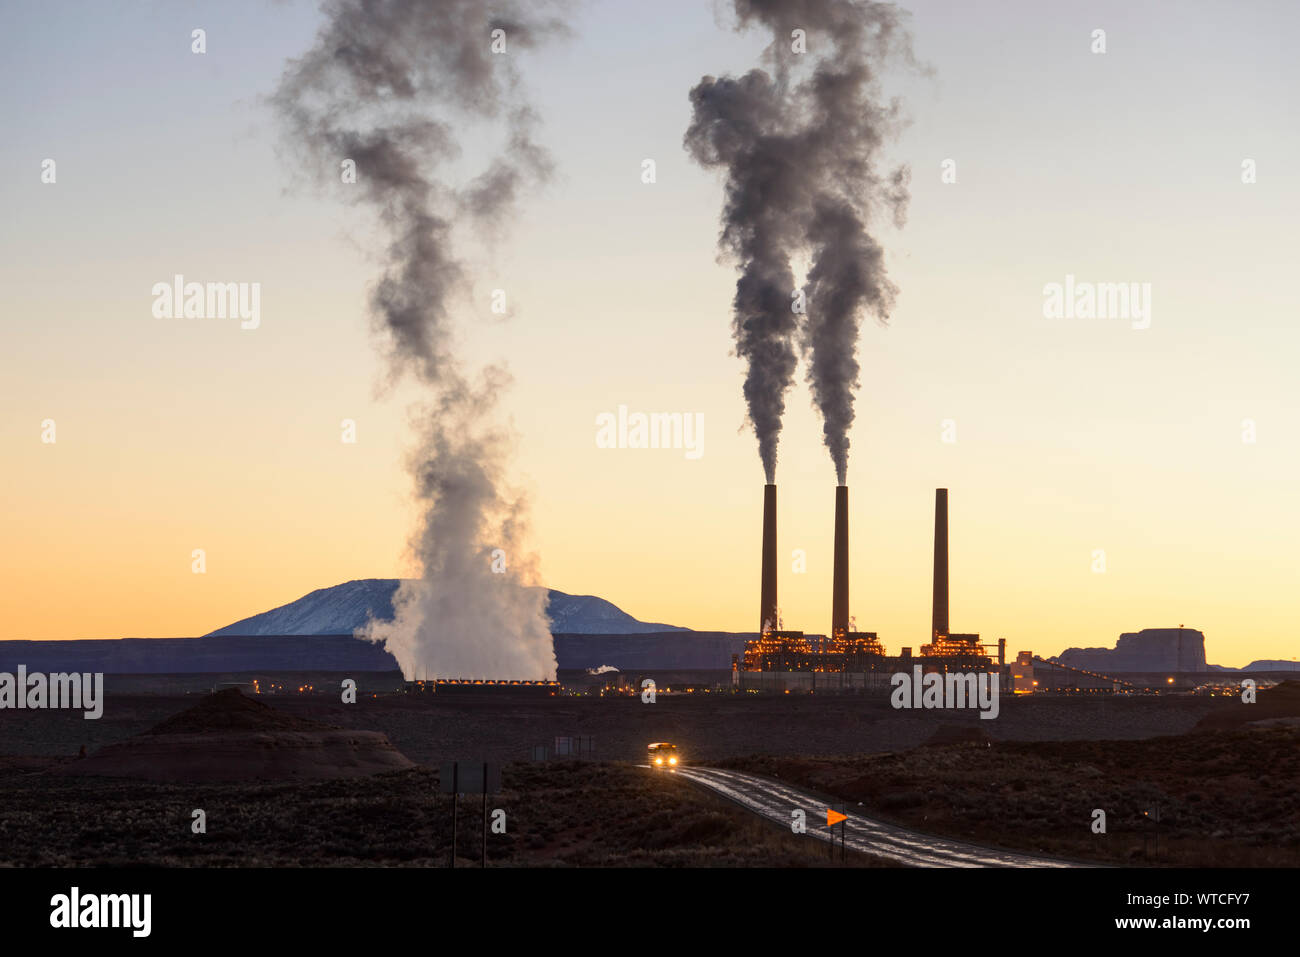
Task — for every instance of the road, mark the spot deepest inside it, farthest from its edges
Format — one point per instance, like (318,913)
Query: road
(776,800)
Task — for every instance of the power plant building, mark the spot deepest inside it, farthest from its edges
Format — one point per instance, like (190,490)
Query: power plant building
(849,659)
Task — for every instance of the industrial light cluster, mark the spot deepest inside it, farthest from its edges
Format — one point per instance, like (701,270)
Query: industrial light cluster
(436,682)
(460,685)
(792,651)
(945,646)
(780,651)
(277,687)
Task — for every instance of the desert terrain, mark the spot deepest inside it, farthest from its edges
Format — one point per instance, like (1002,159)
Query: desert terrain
(1028,780)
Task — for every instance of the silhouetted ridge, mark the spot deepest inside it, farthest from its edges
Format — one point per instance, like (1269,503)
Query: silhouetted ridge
(229,710)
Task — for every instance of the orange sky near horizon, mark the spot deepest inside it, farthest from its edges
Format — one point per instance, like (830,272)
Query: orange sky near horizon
(1172,449)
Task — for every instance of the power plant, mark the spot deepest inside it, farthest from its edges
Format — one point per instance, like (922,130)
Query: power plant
(857,659)
(846,650)
(774,648)
(840,571)
(939,607)
(767,612)
(943,643)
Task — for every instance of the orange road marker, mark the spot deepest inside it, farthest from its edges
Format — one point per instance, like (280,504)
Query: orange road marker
(834,817)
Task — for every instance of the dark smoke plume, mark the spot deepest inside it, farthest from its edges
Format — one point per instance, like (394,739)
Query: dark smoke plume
(801,163)
(385,85)
(740,125)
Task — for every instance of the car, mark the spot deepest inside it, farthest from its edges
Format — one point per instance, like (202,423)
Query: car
(663,756)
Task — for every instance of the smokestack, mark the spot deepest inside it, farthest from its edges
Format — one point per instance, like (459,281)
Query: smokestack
(840,587)
(767,611)
(939,624)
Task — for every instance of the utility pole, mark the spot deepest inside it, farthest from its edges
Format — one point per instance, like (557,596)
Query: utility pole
(455,805)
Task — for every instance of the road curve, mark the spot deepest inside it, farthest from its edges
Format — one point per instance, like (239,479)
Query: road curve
(775,801)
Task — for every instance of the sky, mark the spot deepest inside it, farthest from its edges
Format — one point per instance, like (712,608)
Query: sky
(1103,478)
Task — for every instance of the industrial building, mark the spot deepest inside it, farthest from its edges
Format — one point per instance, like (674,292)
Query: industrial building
(480,686)
(1031,674)
(849,660)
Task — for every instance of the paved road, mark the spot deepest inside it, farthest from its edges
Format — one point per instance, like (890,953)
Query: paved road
(776,800)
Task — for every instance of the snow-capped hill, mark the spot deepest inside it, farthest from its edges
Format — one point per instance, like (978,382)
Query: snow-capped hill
(589,615)
(339,610)
(342,609)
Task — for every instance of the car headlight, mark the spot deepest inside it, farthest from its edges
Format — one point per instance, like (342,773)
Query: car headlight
(672,760)
(659,760)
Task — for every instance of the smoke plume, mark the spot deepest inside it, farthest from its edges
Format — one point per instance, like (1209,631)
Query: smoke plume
(802,177)
(470,614)
(740,125)
(385,85)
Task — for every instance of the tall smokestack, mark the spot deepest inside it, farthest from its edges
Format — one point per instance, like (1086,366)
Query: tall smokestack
(767,611)
(840,587)
(939,625)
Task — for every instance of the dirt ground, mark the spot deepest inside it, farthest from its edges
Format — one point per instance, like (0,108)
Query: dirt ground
(1227,797)
(708,728)
(557,814)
